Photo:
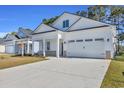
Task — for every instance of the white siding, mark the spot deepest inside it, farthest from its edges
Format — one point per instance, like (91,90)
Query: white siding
(85,23)
(43,28)
(52,45)
(10,49)
(2,49)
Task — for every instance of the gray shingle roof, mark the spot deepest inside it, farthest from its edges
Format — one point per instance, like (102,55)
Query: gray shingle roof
(1,41)
(26,32)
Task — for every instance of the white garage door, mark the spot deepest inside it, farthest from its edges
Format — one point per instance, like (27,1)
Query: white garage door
(89,48)
(10,49)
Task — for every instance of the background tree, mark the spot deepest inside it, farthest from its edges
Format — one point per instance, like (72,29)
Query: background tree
(82,13)
(13,33)
(50,20)
(96,12)
(117,13)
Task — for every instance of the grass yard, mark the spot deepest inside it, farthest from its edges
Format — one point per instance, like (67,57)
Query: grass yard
(7,61)
(114,77)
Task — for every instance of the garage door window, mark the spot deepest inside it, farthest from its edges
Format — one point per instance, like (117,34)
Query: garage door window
(99,39)
(71,41)
(80,40)
(88,40)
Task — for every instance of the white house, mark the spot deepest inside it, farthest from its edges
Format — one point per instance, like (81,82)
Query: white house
(75,36)
(20,43)
(2,46)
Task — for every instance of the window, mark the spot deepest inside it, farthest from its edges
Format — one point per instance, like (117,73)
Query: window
(65,23)
(87,40)
(71,41)
(99,39)
(48,45)
(80,40)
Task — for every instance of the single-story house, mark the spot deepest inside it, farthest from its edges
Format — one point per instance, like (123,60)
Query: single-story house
(2,46)
(19,42)
(71,35)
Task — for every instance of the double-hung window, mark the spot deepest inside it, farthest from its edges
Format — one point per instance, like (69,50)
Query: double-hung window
(65,23)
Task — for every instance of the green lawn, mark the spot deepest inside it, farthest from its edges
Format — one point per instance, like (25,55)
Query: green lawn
(114,77)
(7,61)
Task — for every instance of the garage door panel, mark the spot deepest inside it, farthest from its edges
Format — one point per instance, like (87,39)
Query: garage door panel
(10,49)
(93,49)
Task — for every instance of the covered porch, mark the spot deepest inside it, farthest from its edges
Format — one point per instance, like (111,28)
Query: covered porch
(48,44)
(23,46)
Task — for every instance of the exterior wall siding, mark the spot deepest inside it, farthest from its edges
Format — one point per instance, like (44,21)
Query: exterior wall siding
(2,48)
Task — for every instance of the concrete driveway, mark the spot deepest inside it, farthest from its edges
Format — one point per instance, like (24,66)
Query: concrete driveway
(60,73)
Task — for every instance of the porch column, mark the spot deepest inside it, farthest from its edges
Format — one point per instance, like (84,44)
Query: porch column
(32,47)
(14,47)
(44,54)
(22,46)
(57,47)
(28,47)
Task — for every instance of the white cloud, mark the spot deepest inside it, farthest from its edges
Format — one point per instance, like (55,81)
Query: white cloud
(2,34)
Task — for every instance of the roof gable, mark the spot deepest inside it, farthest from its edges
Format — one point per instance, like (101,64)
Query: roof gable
(10,37)
(43,28)
(85,23)
(58,23)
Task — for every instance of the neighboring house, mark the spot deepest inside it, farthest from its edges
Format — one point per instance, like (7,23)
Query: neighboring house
(2,46)
(19,43)
(75,36)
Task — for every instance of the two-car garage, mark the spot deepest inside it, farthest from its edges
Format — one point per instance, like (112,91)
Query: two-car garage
(93,48)
(91,43)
